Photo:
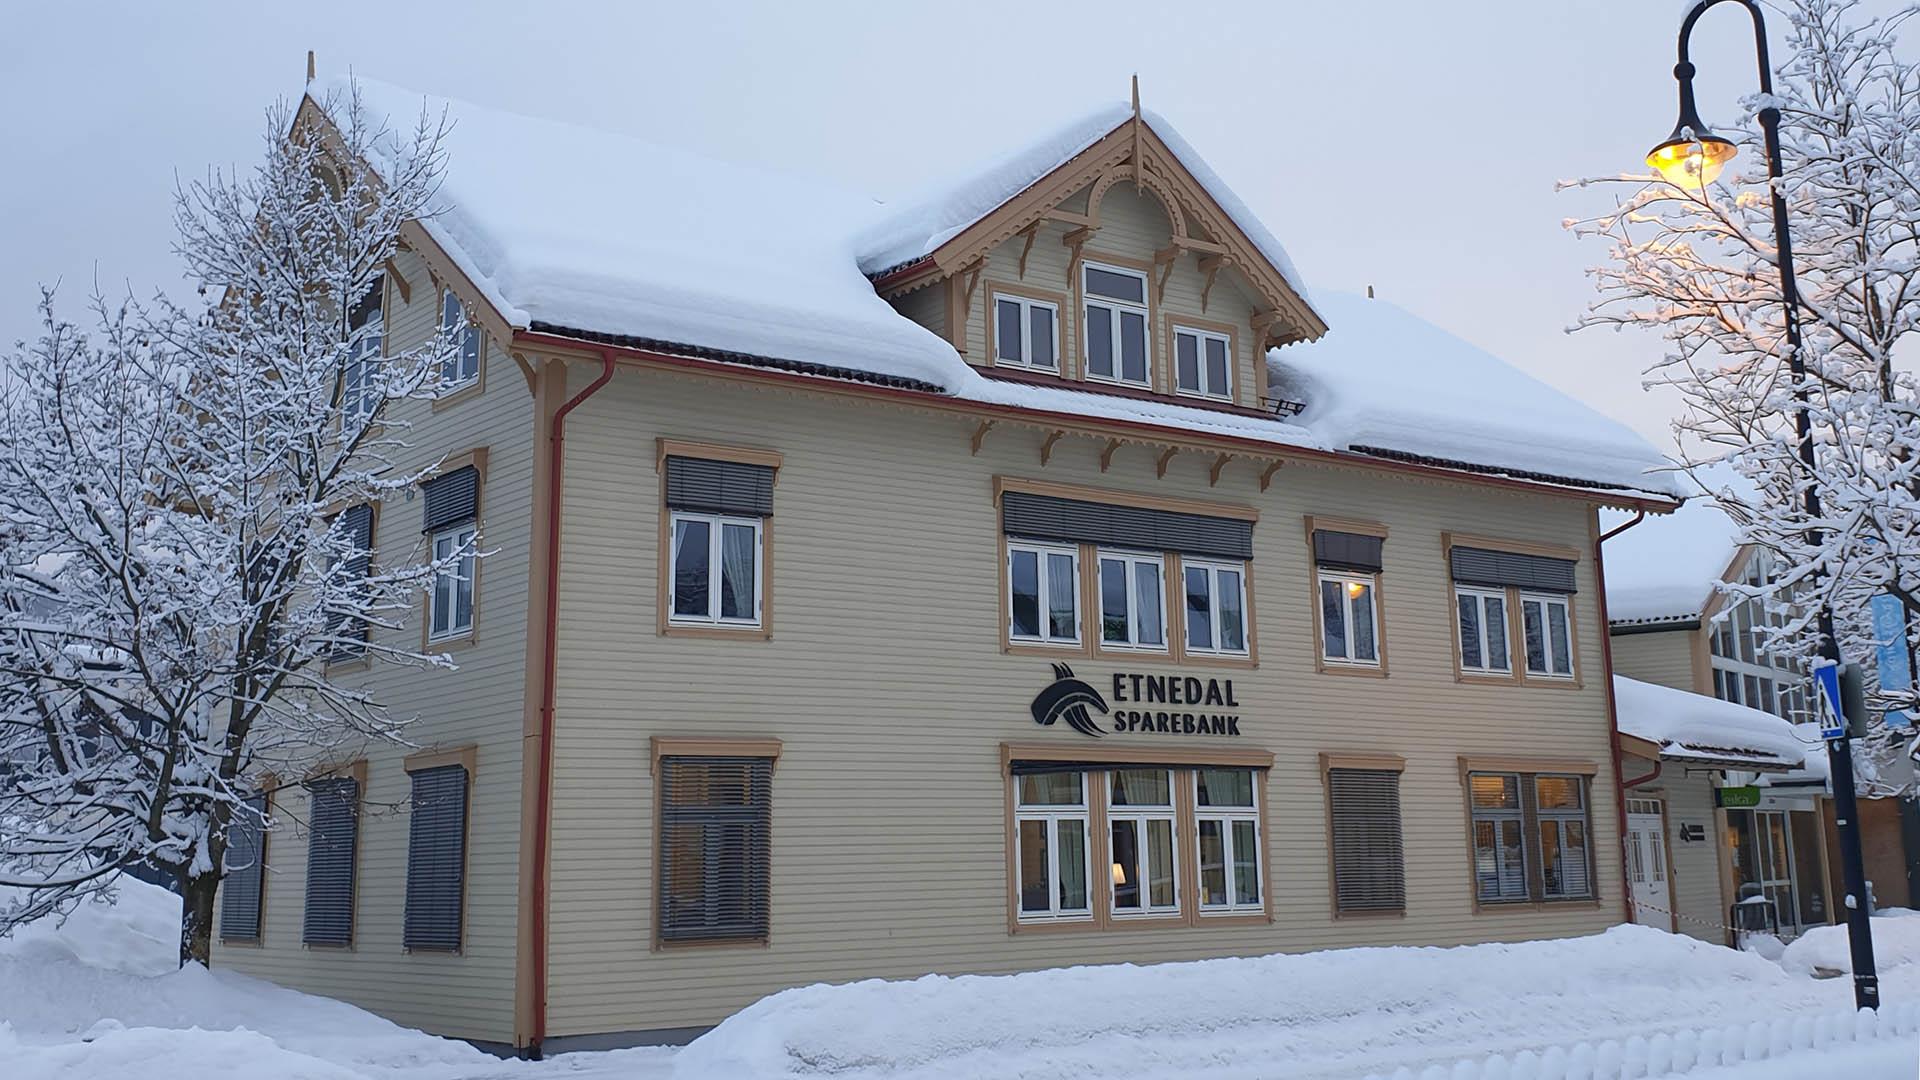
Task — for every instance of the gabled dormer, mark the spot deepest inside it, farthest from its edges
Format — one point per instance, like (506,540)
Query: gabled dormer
(1108,257)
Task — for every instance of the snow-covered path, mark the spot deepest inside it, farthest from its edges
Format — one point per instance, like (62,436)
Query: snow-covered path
(96,1000)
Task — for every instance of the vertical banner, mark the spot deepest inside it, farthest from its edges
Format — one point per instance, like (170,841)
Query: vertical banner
(1890,654)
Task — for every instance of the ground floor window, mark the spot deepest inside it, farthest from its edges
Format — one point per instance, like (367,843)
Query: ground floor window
(1531,837)
(714,860)
(1101,846)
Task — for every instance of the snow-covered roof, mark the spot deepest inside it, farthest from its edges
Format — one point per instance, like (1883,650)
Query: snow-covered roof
(1664,569)
(591,234)
(1691,727)
(1383,379)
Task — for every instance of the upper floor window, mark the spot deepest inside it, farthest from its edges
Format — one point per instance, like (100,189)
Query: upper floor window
(1216,607)
(1545,622)
(1483,630)
(1026,333)
(463,366)
(1116,303)
(452,528)
(719,510)
(1132,611)
(716,576)
(1744,672)
(1201,364)
(1348,627)
(360,392)
(1044,593)
(1500,593)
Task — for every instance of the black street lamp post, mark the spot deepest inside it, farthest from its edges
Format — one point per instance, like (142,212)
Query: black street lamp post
(1691,157)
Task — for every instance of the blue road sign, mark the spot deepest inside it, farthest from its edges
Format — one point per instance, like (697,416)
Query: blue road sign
(1834,721)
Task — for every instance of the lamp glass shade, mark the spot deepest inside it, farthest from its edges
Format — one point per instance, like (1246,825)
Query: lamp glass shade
(1691,163)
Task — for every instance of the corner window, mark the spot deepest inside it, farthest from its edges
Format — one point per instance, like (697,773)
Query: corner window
(1140,829)
(1116,337)
(1228,823)
(1043,603)
(1483,631)
(360,389)
(463,366)
(450,604)
(1531,838)
(1216,608)
(1132,602)
(1050,837)
(1544,620)
(1026,333)
(716,561)
(1201,363)
(1348,623)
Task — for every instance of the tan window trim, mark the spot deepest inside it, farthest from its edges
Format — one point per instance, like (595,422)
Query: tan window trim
(357,769)
(1177,756)
(1321,664)
(1547,766)
(1063,320)
(463,756)
(693,746)
(264,785)
(1002,484)
(1362,759)
(1529,769)
(665,448)
(1451,540)
(476,457)
(1316,522)
(1230,331)
(743,455)
(1516,625)
(1156,365)
(1371,761)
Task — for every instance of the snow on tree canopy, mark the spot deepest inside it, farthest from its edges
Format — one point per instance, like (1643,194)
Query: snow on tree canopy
(590,231)
(1687,725)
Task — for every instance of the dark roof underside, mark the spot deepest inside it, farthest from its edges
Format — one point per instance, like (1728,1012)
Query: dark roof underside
(701,352)
(1488,470)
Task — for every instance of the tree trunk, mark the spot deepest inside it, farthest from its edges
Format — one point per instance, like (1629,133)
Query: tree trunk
(196,917)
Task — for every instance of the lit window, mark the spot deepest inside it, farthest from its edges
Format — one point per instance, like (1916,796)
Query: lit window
(1561,805)
(1043,582)
(1549,646)
(1534,849)
(1483,630)
(1132,607)
(1201,365)
(1050,835)
(716,570)
(450,611)
(1116,303)
(1026,333)
(463,366)
(1348,625)
(360,389)
(1228,826)
(1140,827)
(1499,848)
(1216,607)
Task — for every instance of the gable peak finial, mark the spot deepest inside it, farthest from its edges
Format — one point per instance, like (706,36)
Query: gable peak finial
(1136,94)
(310,65)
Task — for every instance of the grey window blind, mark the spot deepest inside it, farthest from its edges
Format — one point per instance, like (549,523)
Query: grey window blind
(1048,517)
(436,858)
(333,825)
(719,487)
(1034,768)
(240,887)
(1499,569)
(357,523)
(1347,551)
(1369,868)
(452,499)
(714,851)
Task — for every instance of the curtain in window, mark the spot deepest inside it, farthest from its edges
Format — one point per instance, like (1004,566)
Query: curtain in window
(1060,593)
(736,572)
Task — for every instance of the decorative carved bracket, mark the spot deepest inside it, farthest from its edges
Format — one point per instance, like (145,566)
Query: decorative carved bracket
(1046,447)
(1209,265)
(980,434)
(399,282)
(1160,466)
(1027,248)
(1075,240)
(1213,474)
(1266,474)
(1163,261)
(1106,454)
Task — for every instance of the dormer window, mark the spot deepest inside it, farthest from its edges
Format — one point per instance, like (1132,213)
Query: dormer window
(1116,300)
(1026,333)
(1200,363)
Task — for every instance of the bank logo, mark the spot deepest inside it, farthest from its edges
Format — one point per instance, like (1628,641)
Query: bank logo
(1067,698)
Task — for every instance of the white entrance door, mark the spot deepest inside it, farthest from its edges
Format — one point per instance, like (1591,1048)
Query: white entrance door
(1647,863)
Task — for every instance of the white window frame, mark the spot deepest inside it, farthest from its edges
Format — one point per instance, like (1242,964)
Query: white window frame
(1201,337)
(1042,580)
(1213,569)
(1480,597)
(1559,817)
(453,373)
(1027,304)
(1111,310)
(453,538)
(1139,816)
(1052,815)
(1348,602)
(1226,816)
(1546,601)
(358,400)
(716,529)
(1736,625)
(1130,560)
(1496,815)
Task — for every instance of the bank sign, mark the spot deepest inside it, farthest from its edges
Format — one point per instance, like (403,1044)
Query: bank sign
(1186,705)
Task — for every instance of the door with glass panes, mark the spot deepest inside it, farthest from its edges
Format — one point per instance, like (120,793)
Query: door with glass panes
(1647,863)
(1779,852)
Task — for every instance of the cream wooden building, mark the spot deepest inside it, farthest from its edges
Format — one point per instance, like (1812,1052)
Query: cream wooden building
(959,592)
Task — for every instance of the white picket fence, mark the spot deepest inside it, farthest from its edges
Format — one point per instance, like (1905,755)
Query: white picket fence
(1644,1058)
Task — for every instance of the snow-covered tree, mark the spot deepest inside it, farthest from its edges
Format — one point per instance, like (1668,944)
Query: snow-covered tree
(1699,265)
(180,549)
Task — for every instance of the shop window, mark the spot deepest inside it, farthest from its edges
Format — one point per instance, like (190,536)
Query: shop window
(1531,837)
(1050,832)
(1228,823)
(1141,826)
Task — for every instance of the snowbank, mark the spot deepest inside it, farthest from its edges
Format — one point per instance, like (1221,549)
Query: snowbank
(1896,943)
(1686,724)
(1341,1012)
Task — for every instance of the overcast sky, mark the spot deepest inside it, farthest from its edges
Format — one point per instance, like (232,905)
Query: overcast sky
(1406,144)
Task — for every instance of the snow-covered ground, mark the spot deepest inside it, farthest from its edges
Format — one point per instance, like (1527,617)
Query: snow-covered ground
(98,998)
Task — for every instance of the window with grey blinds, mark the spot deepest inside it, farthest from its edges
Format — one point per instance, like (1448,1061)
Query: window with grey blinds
(1048,517)
(452,498)
(1369,870)
(1347,551)
(436,858)
(357,523)
(719,487)
(1499,569)
(714,852)
(240,886)
(333,827)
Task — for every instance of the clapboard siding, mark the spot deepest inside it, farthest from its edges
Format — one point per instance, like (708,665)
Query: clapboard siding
(1696,865)
(468,994)
(1665,657)
(887,685)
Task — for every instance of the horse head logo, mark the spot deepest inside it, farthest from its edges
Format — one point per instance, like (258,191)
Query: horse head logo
(1067,698)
